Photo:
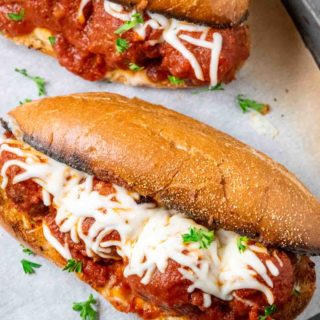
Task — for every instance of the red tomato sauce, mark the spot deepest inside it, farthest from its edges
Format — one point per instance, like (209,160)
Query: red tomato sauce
(88,48)
(167,292)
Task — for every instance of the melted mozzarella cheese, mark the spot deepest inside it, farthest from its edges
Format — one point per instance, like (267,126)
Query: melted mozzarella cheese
(170,35)
(116,11)
(149,236)
(278,259)
(272,268)
(63,250)
(244,301)
(83,3)
(172,29)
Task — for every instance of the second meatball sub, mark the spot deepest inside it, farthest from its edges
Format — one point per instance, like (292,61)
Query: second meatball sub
(111,191)
(102,39)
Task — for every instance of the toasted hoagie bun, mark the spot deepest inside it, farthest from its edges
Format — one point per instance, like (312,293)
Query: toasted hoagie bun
(154,205)
(221,13)
(180,162)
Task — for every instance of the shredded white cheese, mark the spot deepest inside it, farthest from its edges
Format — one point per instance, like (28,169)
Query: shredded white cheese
(149,235)
(172,29)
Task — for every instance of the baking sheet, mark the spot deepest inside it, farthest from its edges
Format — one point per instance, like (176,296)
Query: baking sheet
(280,72)
(306,14)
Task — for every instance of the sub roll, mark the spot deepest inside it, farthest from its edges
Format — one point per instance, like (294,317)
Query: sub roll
(154,43)
(170,218)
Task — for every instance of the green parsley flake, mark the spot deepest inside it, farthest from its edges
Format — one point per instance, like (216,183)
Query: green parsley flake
(246,104)
(136,19)
(175,80)
(134,67)
(268,311)
(242,243)
(28,266)
(16,16)
(52,40)
(217,87)
(24,101)
(73,266)
(122,45)
(27,250)
(87,312)
(40,82)
(204,237)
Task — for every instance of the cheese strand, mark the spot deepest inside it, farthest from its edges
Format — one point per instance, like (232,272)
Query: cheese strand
(171,33)
(149,236)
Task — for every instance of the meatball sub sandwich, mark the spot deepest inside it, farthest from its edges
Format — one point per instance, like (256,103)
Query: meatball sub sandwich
(170,218)
(163,43)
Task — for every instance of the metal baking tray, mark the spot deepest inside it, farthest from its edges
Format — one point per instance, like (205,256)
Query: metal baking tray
(306,15)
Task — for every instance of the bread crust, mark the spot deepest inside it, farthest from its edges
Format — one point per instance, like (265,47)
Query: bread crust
(181,163)
(217,13)
(21,226)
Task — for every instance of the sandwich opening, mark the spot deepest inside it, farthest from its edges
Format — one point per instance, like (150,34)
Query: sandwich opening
(140,249)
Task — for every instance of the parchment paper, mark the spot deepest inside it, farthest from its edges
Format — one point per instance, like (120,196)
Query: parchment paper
(280,71)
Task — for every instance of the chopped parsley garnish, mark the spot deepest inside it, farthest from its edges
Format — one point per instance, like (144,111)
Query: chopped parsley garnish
(135,67)
(16,16)
(175,80)
(122,45)
(52,40)
(28,266)
(268,311)
(40,82)
(217,87)
(246,104)
(73,266)
(136,19)
(242,243)
(24,101)
(87,312)
(202,236)
(27,250)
